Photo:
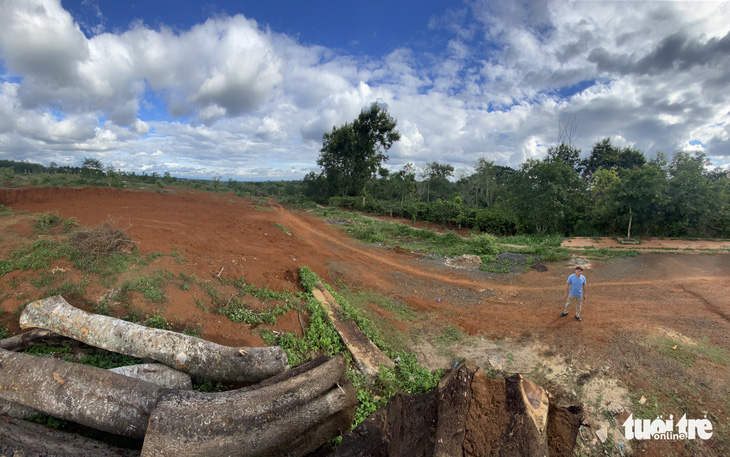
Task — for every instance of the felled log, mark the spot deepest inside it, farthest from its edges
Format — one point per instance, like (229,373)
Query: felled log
(468,414)
(21,438)
(182,352)
(155,373)
(290,414)
(368,357)
(86,395)
(25,340)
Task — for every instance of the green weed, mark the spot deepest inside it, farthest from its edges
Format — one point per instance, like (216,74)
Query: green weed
(151,287)
(157,321)
(37,256)
(45,222)
(283,229)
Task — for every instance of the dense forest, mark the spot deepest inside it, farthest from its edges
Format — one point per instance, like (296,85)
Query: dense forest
(612,191)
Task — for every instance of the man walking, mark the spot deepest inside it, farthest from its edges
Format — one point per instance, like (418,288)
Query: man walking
(575,291)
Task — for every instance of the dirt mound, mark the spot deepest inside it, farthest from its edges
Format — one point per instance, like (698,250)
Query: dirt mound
(466,261)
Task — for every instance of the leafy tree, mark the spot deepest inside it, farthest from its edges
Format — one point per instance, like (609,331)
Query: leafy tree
(606,155)
(548,196)
(692,200)
(92,167)
(437,176)
(567,154)
(640,195)
(399,185)
(352,153)
(481,188)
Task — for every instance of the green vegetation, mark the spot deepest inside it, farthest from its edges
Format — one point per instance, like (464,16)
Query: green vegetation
(45,222)
(283,229)
(689,354)
(152,287)
(613,191)
(321,337)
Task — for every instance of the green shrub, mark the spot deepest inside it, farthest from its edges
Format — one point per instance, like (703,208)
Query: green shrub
(484,244)
(45,222)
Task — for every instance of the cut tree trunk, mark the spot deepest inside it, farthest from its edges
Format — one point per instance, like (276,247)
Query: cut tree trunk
(468,414)
(25,340)
(155,373)
(368,357)
(20,438)
(86,395)
(292,413)
(182,352)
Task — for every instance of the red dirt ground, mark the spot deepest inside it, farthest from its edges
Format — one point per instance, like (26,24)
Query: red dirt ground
(625,297)
(215,231)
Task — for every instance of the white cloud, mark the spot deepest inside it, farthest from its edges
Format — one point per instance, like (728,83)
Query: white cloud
(244,101)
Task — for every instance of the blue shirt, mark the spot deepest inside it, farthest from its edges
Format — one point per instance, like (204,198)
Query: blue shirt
(576,285)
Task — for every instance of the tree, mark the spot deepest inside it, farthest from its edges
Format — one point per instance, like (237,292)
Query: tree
(641,194)
(439,175)
(692,201)
(549,196)
(606,155)
(92,167)
(352,154)
(567,154)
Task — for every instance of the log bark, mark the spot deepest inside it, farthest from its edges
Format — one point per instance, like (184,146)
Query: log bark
(185,353)
(20,438)
(156,373)
(86,395)
(272,418)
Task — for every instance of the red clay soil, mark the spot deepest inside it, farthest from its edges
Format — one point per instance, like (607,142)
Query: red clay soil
(214,231)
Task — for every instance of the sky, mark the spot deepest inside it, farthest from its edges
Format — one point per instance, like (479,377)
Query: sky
(245,89)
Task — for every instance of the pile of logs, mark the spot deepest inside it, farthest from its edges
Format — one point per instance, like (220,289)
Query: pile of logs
(288,411)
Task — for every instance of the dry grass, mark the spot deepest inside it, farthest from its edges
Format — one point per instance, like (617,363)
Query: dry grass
(102,240)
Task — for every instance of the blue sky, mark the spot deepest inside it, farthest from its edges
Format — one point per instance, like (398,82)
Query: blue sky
(245,89)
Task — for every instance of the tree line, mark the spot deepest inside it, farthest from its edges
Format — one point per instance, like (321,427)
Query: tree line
(612,191)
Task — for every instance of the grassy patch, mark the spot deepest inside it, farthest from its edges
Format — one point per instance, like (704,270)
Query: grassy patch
(37,256)
(546,248)
(151,287)
(688,354)
(239,311)
(361,298)
(283,229)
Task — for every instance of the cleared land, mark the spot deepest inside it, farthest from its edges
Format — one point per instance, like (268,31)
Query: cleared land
(655,326)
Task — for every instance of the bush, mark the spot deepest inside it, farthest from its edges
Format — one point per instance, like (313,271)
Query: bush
(484,244)
(45,222)
(495,221)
